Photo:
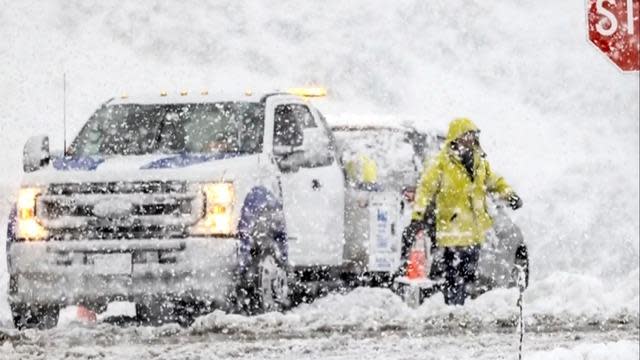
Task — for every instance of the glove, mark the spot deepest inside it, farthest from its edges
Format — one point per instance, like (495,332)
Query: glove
(515,201)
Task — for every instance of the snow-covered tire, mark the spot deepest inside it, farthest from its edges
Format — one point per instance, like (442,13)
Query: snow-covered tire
(34,316)
(264,287)
(262,279)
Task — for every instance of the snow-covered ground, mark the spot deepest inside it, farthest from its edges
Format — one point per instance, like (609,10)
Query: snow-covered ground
(367,323)
(170,343)
(372,323)
(558,120)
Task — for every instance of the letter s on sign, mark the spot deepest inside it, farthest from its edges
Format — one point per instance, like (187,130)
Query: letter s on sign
(613,27)
(609,16)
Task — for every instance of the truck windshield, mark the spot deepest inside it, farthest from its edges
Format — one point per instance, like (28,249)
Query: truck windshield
(132,129)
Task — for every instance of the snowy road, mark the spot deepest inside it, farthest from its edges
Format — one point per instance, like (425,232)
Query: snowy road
(170,342)
(366,323)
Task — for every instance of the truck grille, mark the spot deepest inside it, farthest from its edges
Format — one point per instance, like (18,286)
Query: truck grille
(142,187)
(119,210)
(56,209)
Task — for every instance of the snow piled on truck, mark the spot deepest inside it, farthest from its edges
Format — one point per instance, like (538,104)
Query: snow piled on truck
(559,122)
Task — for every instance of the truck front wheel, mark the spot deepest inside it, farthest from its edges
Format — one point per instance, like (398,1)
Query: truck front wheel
(34,316)
(264,287)
(158,311)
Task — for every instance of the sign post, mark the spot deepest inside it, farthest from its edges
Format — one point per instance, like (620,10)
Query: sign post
(614,28)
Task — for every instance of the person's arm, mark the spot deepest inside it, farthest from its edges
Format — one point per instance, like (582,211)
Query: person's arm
(426,189)
(496,184)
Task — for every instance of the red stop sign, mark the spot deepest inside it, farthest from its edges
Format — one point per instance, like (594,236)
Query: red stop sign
(614,27)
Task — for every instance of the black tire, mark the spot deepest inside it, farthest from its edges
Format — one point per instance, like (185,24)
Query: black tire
(522,261)
(148,314)
(264,287)
(158,311)
(35,316)
(187,313)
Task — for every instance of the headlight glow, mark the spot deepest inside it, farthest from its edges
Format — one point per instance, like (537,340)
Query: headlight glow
(217,220)
(28,226)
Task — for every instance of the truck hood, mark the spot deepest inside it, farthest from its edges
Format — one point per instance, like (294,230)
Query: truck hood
(184,166)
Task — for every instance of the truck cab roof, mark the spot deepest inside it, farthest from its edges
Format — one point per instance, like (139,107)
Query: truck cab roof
(191,97)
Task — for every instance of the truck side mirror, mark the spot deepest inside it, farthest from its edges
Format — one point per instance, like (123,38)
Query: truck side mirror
(291,162)
(35,153)
(287,140)
(287,147)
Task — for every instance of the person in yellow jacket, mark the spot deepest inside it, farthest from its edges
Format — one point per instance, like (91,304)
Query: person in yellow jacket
(451,202)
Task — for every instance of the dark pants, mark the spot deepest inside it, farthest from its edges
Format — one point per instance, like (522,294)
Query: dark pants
(460,266)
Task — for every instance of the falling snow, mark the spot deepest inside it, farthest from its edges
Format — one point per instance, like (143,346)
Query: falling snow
(557,119)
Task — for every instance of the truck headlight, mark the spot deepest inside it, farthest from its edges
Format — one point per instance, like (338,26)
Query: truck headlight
(218,205)
(27,225)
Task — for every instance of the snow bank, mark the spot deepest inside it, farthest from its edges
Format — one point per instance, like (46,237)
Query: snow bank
(367,310)
(559,121)
(621,350)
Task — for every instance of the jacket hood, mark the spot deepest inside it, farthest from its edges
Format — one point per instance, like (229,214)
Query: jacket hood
(458,127)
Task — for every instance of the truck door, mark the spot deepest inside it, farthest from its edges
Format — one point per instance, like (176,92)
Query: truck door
(313,194)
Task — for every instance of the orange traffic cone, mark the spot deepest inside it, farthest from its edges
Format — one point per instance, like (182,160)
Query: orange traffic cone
(417,264)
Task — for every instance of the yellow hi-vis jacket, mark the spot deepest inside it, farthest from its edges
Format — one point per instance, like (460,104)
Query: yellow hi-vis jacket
(460,203)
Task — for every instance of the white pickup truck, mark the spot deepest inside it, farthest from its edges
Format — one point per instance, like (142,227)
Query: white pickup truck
(187,203)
